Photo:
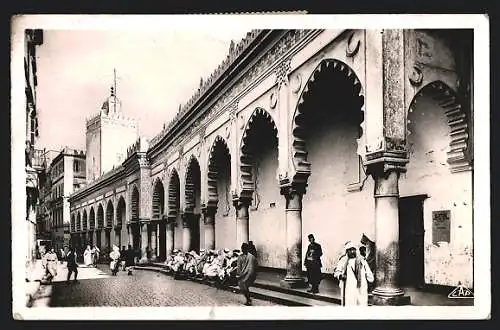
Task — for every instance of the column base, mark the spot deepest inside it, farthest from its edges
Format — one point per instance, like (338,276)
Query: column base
(389,296)
(391,301)
(293,283)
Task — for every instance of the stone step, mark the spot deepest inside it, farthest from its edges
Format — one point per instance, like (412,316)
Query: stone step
(262,291)
(315,297)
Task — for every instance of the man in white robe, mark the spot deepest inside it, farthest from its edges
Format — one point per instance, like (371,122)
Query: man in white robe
(353,274)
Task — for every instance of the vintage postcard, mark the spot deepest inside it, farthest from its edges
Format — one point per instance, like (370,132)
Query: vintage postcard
(250,167)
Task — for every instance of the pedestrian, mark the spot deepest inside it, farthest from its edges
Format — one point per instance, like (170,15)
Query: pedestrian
(246,273)
(87,256)
(95,255)
(115,258)
(123,258)
(313,264)
(72,264)
(130,260)
(50,265)
(61,252)
(252,249)
(353,273)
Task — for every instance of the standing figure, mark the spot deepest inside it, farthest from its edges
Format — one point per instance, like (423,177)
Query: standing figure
(50,265)
(129,260)
(123,258)
(61,251)
(115,258)
(87,256)
(353,273)
(97,253)
(72,264)
(313,264)
(246,273)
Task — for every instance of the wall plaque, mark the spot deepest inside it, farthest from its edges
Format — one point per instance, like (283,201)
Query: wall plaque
(441,226)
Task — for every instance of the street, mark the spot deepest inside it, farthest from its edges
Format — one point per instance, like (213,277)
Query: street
(96,287)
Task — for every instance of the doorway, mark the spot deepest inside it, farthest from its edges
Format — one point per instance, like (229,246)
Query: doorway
(411,240)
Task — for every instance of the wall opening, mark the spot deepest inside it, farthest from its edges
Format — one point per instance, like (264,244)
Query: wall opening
(411,240)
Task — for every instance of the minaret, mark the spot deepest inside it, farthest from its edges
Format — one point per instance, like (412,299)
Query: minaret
(112,105)
(109,133)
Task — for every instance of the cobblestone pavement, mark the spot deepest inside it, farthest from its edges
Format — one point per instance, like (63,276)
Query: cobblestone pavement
(143,288)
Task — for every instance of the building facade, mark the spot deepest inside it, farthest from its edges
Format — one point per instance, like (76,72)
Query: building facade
(339,133)
(33,159)
(65,174)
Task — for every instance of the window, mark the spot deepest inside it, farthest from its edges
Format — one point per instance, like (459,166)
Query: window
(76,165)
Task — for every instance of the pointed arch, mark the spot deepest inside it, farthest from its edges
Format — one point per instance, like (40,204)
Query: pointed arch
(249,143)
(109,214)
(84,221)
(459,155)
(91,218)
(134,204)
(174,194)
(72,223)
(120,212)
(100,216)
(219,148)
(192,183)
(158,199)
(344,76)
(78,222)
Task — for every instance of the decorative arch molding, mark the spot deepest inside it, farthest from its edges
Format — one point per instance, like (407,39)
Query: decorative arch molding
(109,214)
(158,200)
(121,204)
(192,165)
(134,203)
(246,157)
(173,194)
(298,148)
(213,171)
(459,156)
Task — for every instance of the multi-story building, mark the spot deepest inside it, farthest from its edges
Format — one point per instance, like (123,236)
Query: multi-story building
(64,174)
(345,134)
(32,38)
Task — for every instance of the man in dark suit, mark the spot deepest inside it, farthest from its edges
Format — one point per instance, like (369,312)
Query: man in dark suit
(313,264)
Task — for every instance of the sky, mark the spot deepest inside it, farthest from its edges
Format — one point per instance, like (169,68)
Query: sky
(156,71)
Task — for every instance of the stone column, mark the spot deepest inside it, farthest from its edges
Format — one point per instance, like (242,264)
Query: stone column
(241,221)
(158,247)
(94,237)
(386,193)
(169,236)
(153,240)
(186,231)
(209,230)
(293,211)
(144,241)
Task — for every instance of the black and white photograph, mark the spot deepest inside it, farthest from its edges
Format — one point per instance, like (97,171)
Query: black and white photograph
(207,167)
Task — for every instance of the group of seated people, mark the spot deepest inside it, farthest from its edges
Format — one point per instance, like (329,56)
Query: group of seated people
(211,265)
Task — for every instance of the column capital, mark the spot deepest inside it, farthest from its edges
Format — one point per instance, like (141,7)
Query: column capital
(209,210)
(186,219)
(293,189)
(380,163)
(240,201)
